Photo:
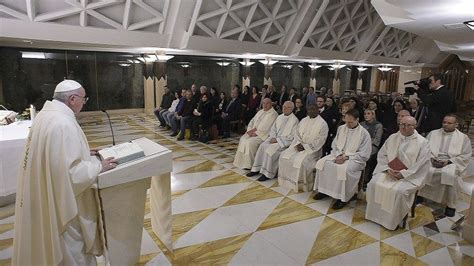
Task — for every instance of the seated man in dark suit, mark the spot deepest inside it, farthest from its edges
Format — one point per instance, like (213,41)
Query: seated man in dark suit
(184,115)
(231,112)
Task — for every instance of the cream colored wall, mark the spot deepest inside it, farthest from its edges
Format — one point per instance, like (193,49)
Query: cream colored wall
(408,74)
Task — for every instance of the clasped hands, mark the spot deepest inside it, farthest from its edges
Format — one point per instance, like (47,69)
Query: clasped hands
(395,174)
(299,147)
(438,163)
(341,158)
(252,132)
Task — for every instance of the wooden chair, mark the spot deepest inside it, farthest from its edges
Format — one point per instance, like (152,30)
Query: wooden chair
(413,206)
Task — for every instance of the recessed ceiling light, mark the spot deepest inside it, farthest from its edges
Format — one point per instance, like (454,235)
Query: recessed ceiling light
(33,55)
(469,24)
(223,63)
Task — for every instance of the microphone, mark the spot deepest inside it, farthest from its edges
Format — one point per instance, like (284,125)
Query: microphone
(110,124)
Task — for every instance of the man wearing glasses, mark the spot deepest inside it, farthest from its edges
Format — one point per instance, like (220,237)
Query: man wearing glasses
(402,167)
(57,212)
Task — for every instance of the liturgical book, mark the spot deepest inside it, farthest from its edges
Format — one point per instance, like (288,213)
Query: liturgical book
(123,153)
(397,165)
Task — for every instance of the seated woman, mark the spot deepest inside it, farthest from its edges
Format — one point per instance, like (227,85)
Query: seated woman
(202,116)
(253,104)
(300,111)
(373,104)
(218,109)
(375,130)
(390,123)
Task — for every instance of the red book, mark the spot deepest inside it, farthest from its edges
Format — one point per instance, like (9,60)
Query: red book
(397,165)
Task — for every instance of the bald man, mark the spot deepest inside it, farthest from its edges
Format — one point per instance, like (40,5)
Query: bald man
(281,136)
(402,114)
(450,154)
(257,132)
(402,168)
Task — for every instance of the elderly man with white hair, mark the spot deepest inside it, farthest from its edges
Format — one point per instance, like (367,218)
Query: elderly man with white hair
(450,154)
(296,164)
(402,167)
(57,212)
(257,132)
(281,136)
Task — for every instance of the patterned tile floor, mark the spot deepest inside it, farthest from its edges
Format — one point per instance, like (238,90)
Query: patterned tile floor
(221,216)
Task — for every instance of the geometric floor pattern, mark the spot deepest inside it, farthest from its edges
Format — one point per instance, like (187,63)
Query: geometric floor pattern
(220,216)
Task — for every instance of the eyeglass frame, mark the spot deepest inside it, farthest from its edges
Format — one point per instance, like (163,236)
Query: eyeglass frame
(84,98)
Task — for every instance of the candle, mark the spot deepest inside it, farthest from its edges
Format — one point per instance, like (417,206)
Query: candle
(32,112)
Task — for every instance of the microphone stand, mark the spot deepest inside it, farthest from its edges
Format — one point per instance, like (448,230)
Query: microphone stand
(110,124)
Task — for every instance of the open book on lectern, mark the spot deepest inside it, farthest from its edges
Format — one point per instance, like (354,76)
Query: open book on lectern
(124,152)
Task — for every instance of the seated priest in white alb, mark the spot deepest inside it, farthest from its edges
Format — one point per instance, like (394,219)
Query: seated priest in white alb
(257,132)
(338,174)
(296,164)
(402,167)
(450,154)
(281,136)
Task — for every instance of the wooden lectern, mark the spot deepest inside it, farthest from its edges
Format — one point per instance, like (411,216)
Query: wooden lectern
(123,195)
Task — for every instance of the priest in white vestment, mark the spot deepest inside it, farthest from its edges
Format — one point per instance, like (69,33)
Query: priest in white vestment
(296,164)
(257,132)
(450,154)
(57,212)
(338,173)
(281,136)
(391,192)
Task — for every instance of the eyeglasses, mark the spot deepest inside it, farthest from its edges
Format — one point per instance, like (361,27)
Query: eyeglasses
(84,98)
(405,125)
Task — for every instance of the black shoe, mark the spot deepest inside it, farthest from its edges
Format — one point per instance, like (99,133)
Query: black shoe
(174,134)
(450,212)
(319,196)
(338,205)
(263,178)
(419,200)
(250,174)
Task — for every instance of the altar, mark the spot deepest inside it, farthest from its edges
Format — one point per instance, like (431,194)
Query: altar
(12,142)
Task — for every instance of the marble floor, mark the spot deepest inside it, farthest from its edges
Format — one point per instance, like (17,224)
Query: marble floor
(220,216)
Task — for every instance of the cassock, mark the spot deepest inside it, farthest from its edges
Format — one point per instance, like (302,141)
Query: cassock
(389,200)
(248,145)
(266,159)
(340,181)
(57,210)
(295,169)
(443,184)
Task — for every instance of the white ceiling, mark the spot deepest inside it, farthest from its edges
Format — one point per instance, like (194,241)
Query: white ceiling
(381,31)
(438,20)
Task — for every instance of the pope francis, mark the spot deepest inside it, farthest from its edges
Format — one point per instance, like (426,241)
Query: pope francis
(57,212)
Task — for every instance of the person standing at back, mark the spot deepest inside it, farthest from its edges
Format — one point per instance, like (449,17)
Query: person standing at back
(439,100)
